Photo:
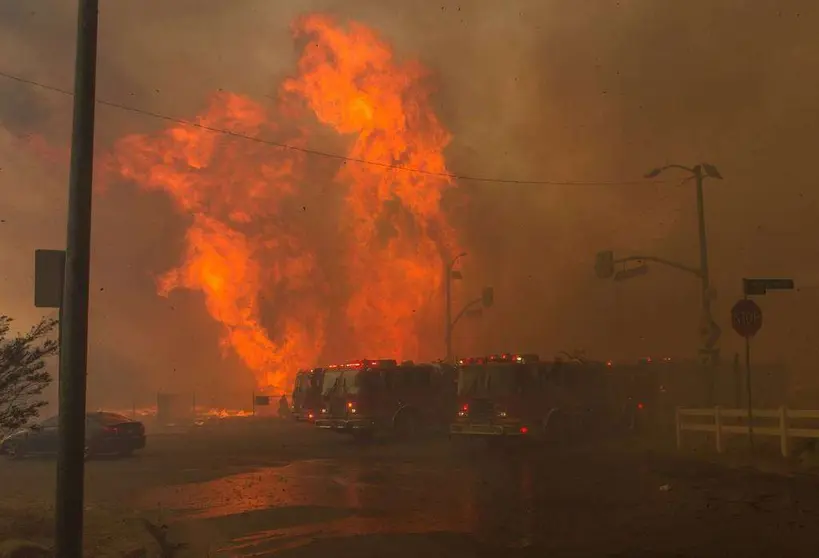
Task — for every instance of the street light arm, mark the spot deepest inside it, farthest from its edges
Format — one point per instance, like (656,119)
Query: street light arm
(681,167)
(659,170)
(464,310)
(663,261)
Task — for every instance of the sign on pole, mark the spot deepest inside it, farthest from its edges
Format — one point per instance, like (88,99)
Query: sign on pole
(746,318)
(752,287)
(49,272)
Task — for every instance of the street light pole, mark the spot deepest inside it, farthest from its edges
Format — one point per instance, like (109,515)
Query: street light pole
(448,302)
(705,278)
(709,330)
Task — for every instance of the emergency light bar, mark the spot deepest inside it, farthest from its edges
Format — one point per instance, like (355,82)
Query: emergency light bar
(504,357)
(527,358)
(383,362)
(471,360)
(371,363)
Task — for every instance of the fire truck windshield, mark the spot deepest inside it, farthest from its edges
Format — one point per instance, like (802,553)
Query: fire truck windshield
(493,379)
(366,379)
(332,380)
(302,381)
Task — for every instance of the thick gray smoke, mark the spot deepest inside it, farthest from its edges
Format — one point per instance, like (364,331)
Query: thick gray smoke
(531,90)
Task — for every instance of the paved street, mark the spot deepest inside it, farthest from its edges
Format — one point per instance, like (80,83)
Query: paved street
(287,490)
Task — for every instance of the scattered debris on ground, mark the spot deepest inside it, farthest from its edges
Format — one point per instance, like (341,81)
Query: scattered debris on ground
(27,531)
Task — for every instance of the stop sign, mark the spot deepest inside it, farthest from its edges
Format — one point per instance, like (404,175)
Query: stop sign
(746,318)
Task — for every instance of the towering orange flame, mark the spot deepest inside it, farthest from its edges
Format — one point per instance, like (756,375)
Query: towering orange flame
(352,83)
(236,247)
(242,245)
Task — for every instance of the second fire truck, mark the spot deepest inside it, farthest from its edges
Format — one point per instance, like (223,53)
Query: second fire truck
(519,396)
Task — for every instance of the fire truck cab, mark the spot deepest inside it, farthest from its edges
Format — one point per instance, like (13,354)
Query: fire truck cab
(367,397)
(306,400)
(518,396)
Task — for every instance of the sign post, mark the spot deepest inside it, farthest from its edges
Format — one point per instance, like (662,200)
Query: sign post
(746,318)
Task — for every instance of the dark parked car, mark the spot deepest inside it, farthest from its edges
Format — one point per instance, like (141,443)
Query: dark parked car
(105,433)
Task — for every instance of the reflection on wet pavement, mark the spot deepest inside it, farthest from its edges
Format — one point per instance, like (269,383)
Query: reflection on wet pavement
(278,508)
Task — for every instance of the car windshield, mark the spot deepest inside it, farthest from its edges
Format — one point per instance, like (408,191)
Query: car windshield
(109,418)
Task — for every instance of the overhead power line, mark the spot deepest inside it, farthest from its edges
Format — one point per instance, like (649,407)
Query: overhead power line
(317,153)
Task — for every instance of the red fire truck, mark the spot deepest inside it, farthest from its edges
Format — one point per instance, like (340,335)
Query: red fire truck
(306,400)
(367,397)
(511,395)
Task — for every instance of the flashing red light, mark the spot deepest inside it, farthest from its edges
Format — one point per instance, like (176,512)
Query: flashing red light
(525,358)
(465,407)
(472,360)
(523,430)
(640,406)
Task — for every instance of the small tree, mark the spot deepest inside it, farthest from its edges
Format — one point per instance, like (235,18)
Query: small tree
(23,376)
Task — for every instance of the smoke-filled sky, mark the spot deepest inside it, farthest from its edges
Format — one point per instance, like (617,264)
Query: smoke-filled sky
(529,90)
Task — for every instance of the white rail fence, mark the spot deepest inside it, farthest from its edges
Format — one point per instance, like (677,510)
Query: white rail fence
(783,426)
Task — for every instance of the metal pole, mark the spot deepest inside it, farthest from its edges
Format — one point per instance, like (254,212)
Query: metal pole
(448,302)
(705,277)
(707,324)
(748,390)
(71,459)
(737,382)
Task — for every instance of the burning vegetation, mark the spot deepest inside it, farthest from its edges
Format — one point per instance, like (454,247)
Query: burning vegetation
(256,263)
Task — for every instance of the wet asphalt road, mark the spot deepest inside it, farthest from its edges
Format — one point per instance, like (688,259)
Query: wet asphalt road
(289,491)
